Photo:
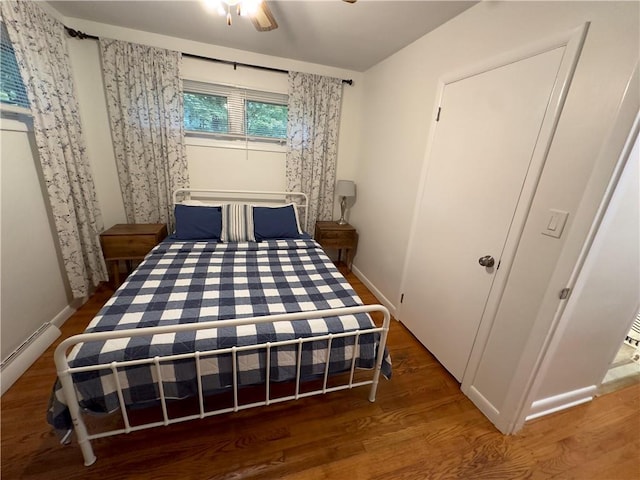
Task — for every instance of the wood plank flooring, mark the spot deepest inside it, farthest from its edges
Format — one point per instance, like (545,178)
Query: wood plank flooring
(420,427)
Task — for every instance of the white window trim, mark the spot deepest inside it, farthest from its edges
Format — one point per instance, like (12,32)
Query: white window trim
(15,119)
(9,108)
(213,140)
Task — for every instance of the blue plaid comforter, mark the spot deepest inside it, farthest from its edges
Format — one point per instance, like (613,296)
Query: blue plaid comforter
(186,282)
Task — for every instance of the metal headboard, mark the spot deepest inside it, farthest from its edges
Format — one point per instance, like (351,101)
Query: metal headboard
(246,196)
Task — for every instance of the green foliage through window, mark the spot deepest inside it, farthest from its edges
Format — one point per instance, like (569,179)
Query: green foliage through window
(234,112)
(12,89)
(205,113)
(266,119)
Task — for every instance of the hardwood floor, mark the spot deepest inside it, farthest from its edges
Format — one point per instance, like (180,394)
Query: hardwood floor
(420,427)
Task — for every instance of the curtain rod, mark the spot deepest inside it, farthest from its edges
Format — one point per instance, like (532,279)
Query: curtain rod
(82,36)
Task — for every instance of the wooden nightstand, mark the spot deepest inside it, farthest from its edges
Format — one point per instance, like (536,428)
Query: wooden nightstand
(339,237)
(129,242)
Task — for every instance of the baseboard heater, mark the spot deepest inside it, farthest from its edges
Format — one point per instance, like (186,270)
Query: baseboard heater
(26,354)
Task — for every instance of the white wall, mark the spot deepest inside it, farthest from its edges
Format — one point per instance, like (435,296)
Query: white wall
(33,289)
(399,103)
(606,297)
(212,164)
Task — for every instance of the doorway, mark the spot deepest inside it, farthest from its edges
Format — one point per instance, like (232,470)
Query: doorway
(625,368)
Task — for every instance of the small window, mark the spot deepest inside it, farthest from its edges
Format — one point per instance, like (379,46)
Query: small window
(205,113)
(266,119)
(12,91)
(234,113)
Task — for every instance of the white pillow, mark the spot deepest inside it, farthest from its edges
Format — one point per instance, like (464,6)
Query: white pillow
(199,203)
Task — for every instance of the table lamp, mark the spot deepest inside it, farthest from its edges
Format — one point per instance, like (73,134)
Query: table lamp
(344,189)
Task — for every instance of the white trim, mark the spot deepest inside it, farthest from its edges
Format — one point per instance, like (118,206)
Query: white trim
(27,354)
(484,405)
(210,140)
(15,123)
(515,55)
(377,293)
(8,108)
(67,311)
(549,405)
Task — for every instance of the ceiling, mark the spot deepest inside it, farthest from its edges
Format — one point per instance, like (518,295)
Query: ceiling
(328,32)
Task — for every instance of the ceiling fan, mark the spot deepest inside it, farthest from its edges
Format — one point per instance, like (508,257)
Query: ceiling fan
(257,10)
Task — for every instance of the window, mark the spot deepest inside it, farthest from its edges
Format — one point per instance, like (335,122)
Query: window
(234,113)
(12,90)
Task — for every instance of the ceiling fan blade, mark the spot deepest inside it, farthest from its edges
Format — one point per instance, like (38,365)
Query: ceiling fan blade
(263,20)
(350,1)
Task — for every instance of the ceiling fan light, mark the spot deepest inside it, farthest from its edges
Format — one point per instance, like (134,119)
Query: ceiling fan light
(214,6)
(251,7)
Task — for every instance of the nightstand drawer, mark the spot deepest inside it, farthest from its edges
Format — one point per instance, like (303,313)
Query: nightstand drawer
(131,241)
(341,241)
(127,246)
(337,234)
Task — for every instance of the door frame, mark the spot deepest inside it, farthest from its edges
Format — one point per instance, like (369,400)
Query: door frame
(572,41)
(618,145)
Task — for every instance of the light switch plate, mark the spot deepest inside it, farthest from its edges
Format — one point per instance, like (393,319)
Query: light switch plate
(556,220)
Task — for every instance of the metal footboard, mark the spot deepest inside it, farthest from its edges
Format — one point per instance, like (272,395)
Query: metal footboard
(65,371)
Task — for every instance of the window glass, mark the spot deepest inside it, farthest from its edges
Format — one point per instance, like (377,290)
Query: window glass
(266,119)
(12,89)
(234,113)
(205,113)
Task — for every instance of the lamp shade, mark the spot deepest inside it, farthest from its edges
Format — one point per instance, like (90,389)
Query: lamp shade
(345,188)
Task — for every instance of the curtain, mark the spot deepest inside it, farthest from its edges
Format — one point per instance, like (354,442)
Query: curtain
(312,141)
(146,113)
(43,59)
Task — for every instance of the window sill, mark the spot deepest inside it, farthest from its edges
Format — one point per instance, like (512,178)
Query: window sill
(204,140)
(15,119)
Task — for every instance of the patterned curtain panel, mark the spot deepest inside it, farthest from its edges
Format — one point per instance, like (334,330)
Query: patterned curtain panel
(312,141)
(43,59)
(144,99)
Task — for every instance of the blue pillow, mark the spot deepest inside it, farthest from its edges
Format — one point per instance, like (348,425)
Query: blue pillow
(275,222)
(198,223)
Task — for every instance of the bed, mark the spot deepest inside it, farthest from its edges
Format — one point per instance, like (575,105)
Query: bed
(238,298)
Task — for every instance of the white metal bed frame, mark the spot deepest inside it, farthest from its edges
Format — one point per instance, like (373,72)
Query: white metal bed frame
(65,371)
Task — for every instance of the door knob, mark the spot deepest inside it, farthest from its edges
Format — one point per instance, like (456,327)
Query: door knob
(487,261)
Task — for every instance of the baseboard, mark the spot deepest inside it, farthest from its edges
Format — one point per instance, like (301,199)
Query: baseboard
(484,405)
(67,311)
(26,355)
(384,300)
(548,405)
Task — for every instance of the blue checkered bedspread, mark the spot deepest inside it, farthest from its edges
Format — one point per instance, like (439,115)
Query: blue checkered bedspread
(185,282)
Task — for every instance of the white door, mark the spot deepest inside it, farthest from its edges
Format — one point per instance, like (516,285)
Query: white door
(480,156)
